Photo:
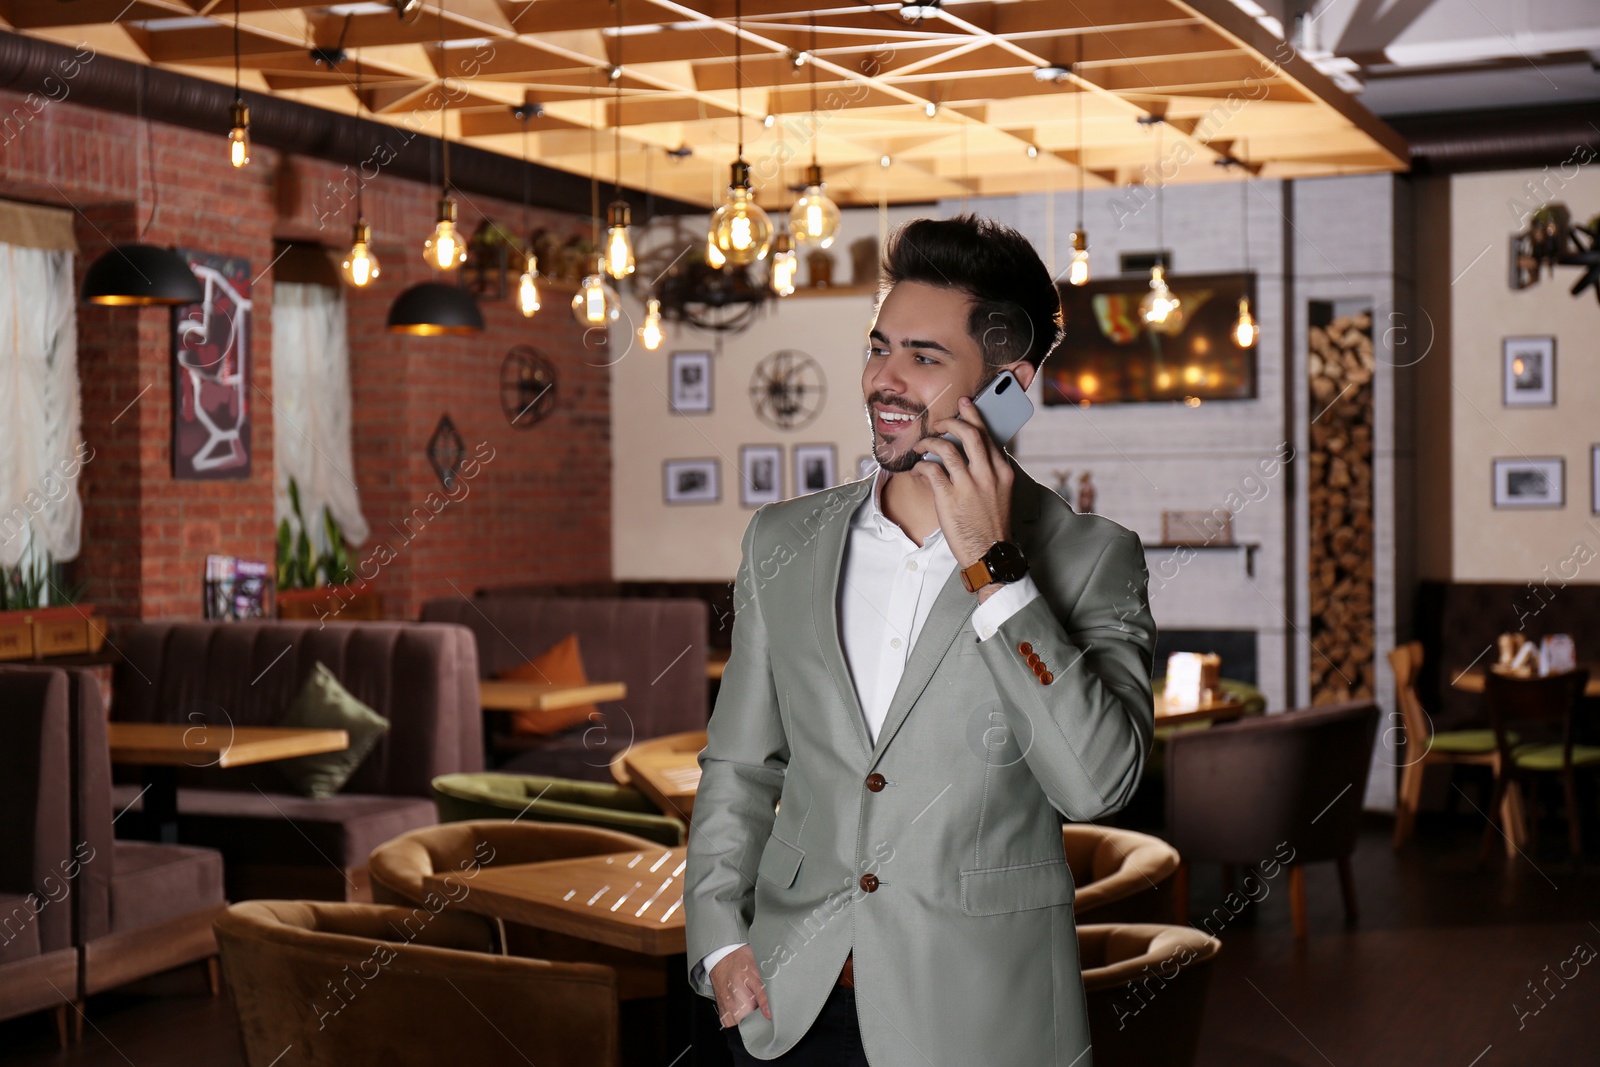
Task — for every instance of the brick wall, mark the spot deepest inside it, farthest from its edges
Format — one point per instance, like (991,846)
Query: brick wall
(538,508)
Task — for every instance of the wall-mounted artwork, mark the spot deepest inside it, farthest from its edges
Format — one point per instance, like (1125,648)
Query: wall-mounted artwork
(1529,371)
(1594,478)
(813,468)
(211,373)
(691,481)
(761,475)
(1539,482)
(691,383)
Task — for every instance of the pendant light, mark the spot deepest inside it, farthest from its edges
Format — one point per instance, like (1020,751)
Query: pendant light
(1246,330)
(527,283)
(431,308)
(814,219)
(1078,270)
(595,305)
(138,274)
(740,229)
(651,334)
(784,264)
(239,114)
(359,266)
(1160,304)
(619,247)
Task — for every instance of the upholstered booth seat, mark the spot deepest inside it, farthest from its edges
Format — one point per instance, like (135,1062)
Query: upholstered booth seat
(151,883)
(489,795)
(463,848)
(1146,991)
(326,983)
(1121,875)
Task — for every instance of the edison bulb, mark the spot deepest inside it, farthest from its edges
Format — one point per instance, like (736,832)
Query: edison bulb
(360,266)
(650,334)
(619,248)
(596,303)
(784,264)
(1160,303)
(445,250)
(814,219)
(1245,331)
(740,229)
(1078,270)
(239,136)
(528,288)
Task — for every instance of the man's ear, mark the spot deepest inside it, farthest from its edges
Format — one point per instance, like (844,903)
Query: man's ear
(1024,372)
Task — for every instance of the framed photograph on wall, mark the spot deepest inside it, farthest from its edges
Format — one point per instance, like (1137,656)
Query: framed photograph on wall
(689,388)
(761,475)
(1594,479)
(1539,482)
(813,468)
(1529,372)
(691,481)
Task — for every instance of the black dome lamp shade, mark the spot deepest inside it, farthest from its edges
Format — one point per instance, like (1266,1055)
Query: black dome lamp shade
(432,308)
(141,275)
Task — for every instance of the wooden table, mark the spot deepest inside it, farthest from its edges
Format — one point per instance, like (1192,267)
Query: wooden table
(1471,681)
(629,900)
(497,695)
(161,748)
(666,769)
(1224,710)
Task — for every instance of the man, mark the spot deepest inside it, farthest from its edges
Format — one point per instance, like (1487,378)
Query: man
(930,668)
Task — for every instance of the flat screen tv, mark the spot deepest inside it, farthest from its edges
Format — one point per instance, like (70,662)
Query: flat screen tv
(1109,355)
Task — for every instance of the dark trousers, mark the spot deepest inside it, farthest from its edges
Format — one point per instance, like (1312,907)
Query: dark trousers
(834,1040)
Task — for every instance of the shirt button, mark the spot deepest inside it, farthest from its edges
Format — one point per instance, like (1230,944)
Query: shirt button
(869,882)
(911,566)
(894,642)
(876,782)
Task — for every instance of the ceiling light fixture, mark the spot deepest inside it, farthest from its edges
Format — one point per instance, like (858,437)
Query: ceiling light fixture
(785,265)
(407,10)
(619,246)
(650,333)
(239,114)
(1050,72)
(930,109)
(595,305)
(359,265)
(914,12)
(814,218)
(528,281)
(1160,305)
(1078,270)
(1246,330)
(740,229)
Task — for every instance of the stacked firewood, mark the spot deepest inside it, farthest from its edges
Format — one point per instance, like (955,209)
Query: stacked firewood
(1340,556)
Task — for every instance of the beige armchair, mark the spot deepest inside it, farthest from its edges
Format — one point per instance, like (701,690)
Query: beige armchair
(1146,992)
(1121,875)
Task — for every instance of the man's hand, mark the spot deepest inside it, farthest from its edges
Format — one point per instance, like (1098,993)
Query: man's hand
(971,495)
(738,986)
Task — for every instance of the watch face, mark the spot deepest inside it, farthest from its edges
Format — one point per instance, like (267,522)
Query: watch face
(1005,561)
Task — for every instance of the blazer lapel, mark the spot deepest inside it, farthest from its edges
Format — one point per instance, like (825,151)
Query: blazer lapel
(951,610)
(827,562)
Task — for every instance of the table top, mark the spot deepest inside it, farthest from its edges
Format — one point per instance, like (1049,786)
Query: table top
(629,900)
(497,695)
(1471,681)
(208,745)
(1216,711)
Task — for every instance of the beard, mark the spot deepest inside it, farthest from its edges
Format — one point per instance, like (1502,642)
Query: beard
(898,456)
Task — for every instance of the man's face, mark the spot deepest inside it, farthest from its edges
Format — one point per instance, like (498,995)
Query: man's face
(920,360)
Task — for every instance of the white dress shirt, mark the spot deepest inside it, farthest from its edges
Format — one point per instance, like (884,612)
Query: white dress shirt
(887,586)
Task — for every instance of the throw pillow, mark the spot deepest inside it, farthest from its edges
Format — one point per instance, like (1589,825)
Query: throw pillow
(560,663)
(324,704)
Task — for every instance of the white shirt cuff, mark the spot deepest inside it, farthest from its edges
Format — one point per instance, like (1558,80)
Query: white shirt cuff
(1011,598)
(714,958)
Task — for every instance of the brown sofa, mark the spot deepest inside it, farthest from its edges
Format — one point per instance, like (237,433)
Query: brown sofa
(423,679)
(360,983)
(656,646)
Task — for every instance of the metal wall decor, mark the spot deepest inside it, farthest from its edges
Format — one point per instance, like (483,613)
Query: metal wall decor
(1552,239)
(527,387)
(446,450)
(788,389)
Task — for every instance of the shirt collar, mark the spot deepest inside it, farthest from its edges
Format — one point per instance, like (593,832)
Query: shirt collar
(870,516)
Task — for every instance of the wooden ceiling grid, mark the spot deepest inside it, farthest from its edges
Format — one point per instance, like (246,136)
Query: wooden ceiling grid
(1210,71)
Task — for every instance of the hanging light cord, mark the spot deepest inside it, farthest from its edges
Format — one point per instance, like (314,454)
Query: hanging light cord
(1161,197)
(738,68)
(525,169)
(616,172)
(360,212)
(594,172)
(813,64)
(236,94)
(444,104)
(1080,93)
(150,150)
(1244,203)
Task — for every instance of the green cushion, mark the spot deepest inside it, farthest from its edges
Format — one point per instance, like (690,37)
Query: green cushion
(488,795)
(1467,742)
(1549,757)
(324,704)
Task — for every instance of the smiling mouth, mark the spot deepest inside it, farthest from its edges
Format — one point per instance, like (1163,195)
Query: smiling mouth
(890,421)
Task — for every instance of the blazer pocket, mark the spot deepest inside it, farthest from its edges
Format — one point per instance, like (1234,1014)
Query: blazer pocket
(993,890)
(967,642)
(780,862)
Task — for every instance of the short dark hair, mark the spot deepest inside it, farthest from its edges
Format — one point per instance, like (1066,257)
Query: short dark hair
(1016,310)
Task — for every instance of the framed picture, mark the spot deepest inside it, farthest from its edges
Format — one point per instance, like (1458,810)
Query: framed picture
(689,391)
(1539,482)
(1594,478)
(813,468)
(1530,371)
(691,481)
(761,475)
(211,397)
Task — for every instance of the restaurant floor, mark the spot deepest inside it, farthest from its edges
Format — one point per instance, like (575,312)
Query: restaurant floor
(1441,969)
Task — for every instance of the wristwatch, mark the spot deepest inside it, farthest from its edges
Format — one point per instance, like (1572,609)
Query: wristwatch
(1003,562)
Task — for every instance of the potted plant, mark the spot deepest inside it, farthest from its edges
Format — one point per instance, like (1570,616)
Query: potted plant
(315,585)
(41,615)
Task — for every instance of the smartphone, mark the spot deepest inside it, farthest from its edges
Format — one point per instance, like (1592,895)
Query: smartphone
(1004,405)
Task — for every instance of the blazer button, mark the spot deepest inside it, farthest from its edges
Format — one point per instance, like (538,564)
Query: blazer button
(1034,660)
(876,782)
(1025,648)
(1045,677)
(869,882)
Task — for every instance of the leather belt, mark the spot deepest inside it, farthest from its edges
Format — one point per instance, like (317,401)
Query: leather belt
(847,977)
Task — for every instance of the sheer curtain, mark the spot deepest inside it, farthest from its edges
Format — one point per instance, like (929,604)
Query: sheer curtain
(311,408)
(41,448)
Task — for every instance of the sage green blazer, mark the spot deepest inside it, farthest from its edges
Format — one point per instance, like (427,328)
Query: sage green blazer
(965,948)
